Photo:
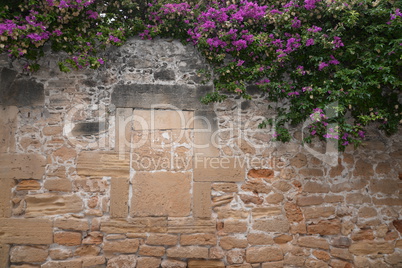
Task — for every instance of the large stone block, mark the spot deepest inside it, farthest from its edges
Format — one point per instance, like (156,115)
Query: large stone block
(26,231)
(206,130)
(144,96)
(28,254)
(5,197)
(52,204)
(22,166)
(135,225)
(119,191)
(8,123)
(162,119)
(202,199)
(219,169)
(124,127)
(161,194)
(22,92)
(100,164)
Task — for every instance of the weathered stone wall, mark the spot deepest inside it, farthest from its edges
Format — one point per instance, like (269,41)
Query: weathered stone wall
(123,167)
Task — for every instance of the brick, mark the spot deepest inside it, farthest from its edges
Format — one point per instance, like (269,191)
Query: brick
(318,212)
(263,254)
(100,164)
(280,225)
(58,185)
(259,239)
(187,252)
(188,226)
(309,200)
(293,212)
(219,169)
(162,239)
(52,204)
(123,246)
(151,251)
(325,227)
(22,166)
(261,173)
(205,264)
(202,199)
(119,191)
(71,224)
(26,231)
(135,225)
(198,239)
(313,242)
(5,197)
(68,238)
(225,187)
(161,194)
(230,242)
(8,121)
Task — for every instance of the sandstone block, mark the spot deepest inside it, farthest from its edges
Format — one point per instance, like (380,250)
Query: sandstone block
(293,212)
(135,225)
(256,186)
(22,166)
(218,169)
(8,121)
(148,262)
(341,242)
(263,254)
(162,239)
(119,191)
(309,200)
(275,264)
(26,185)
(230,242)
(236,256)
(187,252)
(341,253)
(60,254)
(122,261)
(163,119)
(261,173)
(5,197)
(363,169)
(28,254)
(198,239)
(315,187)
(313,242)
(205,264)
(294,260)
(4,255)
(124,125)
(387,201)
(71,224)
(234,226)
(300,160)
(123,246)
(202,199)
(365,234)
(173,264)
(318,212)
(161,194)
(274,198)
(371,247)
(68,238)
(367,212)
(216,253)
(325,227)
(282,185)
(58,185)
(265,212)
(225,187)
(279,225)
(254,199)
(52,204)
(93,261)
(259,239)
(93,238)
(188,225)
(26,231)
(283,239)
(321,255)
(75,263)
(52,131)
(100,164)
(151,251)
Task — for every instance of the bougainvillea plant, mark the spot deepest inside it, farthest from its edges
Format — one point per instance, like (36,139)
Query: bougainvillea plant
(312,56)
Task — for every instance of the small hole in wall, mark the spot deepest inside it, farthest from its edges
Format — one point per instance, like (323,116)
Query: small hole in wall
(29,114)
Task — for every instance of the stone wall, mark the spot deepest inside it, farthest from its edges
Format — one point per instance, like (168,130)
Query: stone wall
(123,167)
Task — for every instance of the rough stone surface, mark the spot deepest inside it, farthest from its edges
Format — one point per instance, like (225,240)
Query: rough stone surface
(122,261)
(52,204)
(263,254)
(22,166)
(26,231)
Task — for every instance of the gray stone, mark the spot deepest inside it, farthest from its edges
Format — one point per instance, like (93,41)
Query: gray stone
(88,128)
(165,75)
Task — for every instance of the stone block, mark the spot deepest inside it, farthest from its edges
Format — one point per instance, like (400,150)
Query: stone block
(4,255)
(52,204)
(8,121)
(58,185)
(230,242)
(206,143)
(67,238)
(315,187)
(219,169)
(202,200)
(22,166)
(100,164)
(28,254)
(325,227)
(162,119)
(135,225)
(386,186)
(193,252)
(89,128)
(205,264)
(151,251)
(71,224)
(371,247)
(261,173)
(60,254)
(165,75)
(260,239)
(263,254)
(148,262)
(122,246)
(22,92)
(162,239)
(26,231)
(228,187)
(318,212)
(274,264)
(279,225)
(122,261)
(234,226)
(26,185)
(144,96)
(341,253)
(119,191)
(283,239)
(265,212)
(189,225)
(93,261)
(161,194)
(313,242)
(236,256)
(5,197)
(124,127)
(309,200)
(74,263)
(198,239)
(173,264)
